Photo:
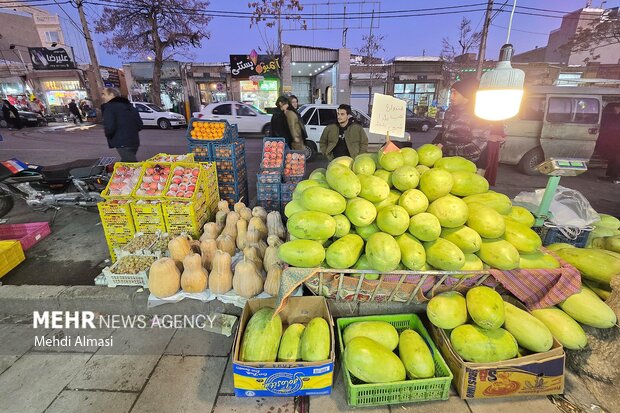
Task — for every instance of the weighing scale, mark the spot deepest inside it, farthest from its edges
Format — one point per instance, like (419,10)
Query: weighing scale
(555,168)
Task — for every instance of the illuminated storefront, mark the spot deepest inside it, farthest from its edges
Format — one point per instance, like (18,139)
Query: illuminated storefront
(212,92)
(256,78)
(59,93)
(262,93)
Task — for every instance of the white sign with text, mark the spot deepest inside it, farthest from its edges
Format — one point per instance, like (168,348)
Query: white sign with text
(388,115)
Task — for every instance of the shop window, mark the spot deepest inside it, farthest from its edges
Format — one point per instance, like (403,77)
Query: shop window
(532,109)
(573,110)
(399,88)
(311,117)
(327,116)
(223,110)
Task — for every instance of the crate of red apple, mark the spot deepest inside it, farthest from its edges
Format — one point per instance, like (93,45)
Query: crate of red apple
(154,180)
(273,154)
(185,181)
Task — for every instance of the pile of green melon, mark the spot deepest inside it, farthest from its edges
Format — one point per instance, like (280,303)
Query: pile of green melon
(407,209)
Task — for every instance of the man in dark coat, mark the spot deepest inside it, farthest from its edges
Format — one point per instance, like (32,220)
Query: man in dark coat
(279,123)
(75,111)
(608,143)
(11,115)
(121,124)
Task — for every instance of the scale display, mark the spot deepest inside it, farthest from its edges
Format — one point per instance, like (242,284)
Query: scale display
(563,167)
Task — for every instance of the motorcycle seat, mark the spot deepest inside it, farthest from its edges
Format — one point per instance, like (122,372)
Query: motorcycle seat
(79,168)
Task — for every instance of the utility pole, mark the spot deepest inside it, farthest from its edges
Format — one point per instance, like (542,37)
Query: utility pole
(95,90)
(483,40)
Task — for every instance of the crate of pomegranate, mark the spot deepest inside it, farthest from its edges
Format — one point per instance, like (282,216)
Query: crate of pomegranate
(273,154)
(294,166)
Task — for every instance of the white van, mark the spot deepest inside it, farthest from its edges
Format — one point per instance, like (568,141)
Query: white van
(555,121)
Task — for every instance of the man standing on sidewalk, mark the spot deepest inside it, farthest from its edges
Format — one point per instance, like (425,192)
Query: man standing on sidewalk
(75,111)
(121,124)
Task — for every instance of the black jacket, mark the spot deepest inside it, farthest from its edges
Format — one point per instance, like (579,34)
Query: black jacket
(279,126)
(73,108)
(121,123)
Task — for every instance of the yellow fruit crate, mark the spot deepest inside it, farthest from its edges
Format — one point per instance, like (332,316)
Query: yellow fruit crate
(156,188)
(165,157)
(189,219)
(154,228)
(119,231)
(114,207)
(11,255)
(184,207)
(185,181)
(147,214)
(123,170)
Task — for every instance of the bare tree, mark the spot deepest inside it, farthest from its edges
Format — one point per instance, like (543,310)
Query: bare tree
(163,27)
(372,44)
(597,34)
(270,13)
(467,40)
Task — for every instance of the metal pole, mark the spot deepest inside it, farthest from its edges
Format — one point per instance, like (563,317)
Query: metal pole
(483,40)
(95,92)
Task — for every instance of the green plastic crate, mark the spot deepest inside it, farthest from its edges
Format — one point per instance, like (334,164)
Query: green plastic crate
(408,391)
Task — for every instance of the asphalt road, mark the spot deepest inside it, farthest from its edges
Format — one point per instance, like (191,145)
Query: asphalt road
(76,251)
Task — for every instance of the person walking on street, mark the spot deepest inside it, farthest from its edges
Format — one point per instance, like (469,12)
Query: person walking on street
(11,115)
(608,143)
(279,123)
(121,124)
(75,111)
(344,138)
(296,125)
(463,134)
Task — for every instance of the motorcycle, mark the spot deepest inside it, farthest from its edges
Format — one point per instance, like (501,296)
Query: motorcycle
(78,183)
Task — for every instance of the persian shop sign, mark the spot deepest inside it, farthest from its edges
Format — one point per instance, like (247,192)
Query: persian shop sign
(44,58)
(254,64)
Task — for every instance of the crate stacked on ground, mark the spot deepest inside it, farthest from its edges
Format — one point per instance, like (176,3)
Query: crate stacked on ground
(231,170)
(117,222)
(203,134)
(281,170)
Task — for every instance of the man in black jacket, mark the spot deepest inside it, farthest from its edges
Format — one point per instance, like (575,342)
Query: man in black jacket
(75,111)
(279,124)
(121,124)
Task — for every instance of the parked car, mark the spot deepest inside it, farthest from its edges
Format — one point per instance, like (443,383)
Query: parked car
(153,115)
(316,117)
(27,118)
(418,123)
(248,119)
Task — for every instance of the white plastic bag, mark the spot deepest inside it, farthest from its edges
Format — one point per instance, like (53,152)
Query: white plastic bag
(569,208)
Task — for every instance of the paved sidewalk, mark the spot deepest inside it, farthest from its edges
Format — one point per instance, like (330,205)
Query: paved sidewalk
(162,370)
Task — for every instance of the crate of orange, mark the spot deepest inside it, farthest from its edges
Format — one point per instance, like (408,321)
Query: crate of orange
(202,130)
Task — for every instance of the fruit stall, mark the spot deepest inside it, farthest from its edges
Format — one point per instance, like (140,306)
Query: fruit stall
(498,309)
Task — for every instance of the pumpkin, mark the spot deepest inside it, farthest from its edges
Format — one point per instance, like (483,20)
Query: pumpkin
(223,206)
(258,224)
(226,243)
(271,257)
(207,251)
(275,225)
(246,213)
(221,276)
(242,230)
(239,206)
(247,282)
(194,278)
(220,220)
(209,231)
(260,212)
(253,235)
(274,241)
(272,283)
(252,253)
(179,247)
(231,226)
(164,278)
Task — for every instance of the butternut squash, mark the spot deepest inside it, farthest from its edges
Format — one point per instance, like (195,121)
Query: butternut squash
(207,251)
(221,276)
(179,247)
(226,243)
(194,278)
(223,206)
(239,206)
(258,224)
(253,254)
(253,235)
(274,241)
(242,230)
(195,246)
(164,278)
(271,257)
(275,225)
(259,211)
(209,231)
(272,283)
(247,282)
(220,220)
(246,213)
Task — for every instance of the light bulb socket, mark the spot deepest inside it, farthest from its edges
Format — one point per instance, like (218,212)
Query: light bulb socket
(506,53)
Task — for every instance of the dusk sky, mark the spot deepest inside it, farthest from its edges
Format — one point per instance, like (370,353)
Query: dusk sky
(404,36)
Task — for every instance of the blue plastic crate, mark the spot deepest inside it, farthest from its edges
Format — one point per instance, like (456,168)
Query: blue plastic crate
(269,192)
(574,236)
(235,149)
(203,152)
(294,177)
(269,205)
(286,191)
(230,165)
(238,176)
(269,177)
(229,131)
(279,167)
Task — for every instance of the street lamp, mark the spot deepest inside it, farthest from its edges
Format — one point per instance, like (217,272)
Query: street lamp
(501,89)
